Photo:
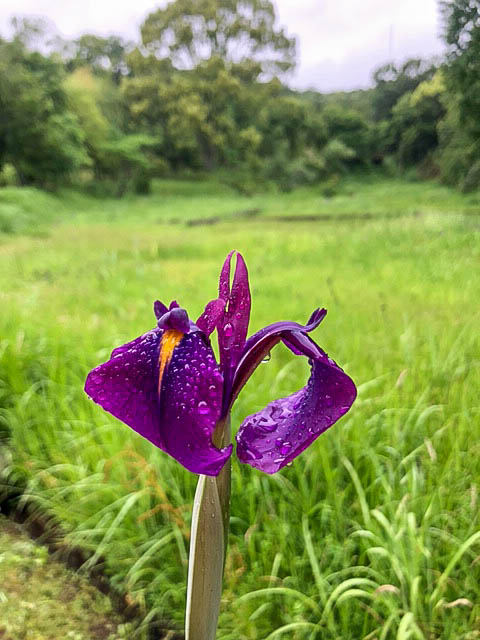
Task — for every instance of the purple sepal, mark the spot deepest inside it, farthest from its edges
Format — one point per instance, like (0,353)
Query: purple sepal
(232,331)
(271,438)
(126,385)
(293,334)
(190,403)
(180,420)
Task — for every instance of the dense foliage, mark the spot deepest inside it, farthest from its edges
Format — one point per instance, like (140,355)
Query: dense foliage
(204,89)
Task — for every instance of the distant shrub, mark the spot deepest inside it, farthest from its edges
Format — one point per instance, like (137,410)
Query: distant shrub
(288,173)
(331,186)
(472,179)
(8,176)
(26,209)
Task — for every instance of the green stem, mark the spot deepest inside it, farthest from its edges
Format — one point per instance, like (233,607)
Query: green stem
(208,548)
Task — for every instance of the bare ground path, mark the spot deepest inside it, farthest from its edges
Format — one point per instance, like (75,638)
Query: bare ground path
(40,599)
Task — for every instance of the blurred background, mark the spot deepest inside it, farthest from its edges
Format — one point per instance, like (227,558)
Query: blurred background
(337,146)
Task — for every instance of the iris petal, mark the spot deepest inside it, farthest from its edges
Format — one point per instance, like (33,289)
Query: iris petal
(232,332)
(181,419)
(212,316)
(126,385)
(271,438)
(190,405)
(293,334)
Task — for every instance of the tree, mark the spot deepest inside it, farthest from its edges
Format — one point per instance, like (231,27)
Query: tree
(392,82)
(462,34)
(351,129)
(415,120)
(124,163)
(201,118)
(39,136)
(188,32)
(102,55)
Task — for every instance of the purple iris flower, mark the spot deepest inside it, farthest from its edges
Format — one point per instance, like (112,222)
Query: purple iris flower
(168,387)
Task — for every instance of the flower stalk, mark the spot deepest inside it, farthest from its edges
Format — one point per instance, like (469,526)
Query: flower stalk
(208,548)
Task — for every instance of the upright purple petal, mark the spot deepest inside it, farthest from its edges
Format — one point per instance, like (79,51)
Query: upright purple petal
(232,332)
(224,281)
(271,438)
(159,309)
(212,316)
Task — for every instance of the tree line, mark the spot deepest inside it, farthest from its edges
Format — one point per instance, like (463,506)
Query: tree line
(204,89)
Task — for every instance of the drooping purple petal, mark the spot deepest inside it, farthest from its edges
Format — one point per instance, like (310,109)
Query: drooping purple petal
(211,317)
(293,334)
(315,319)
(178,412)
(271,438)
(190,404)
(126,385)
(232,332)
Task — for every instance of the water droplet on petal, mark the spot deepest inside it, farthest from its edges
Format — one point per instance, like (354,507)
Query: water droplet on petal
(228,330)
(212,390)
(267,358)
(252,454)
(203,408)
(285,448)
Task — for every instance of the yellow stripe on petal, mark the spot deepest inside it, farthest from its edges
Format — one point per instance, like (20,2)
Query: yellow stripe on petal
(169,341)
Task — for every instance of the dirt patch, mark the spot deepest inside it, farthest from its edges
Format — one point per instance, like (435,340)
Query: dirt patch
(40,599)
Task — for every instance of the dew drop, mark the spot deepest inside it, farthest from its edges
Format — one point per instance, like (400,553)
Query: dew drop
(212,390)
(285,448)
(228,330)
(203,408)
(267,358)
(267,427)
(252,454)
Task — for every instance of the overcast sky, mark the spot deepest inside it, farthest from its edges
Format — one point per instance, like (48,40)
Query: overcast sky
(340,41)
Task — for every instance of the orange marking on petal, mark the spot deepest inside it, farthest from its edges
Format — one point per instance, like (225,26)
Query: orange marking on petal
(169,341)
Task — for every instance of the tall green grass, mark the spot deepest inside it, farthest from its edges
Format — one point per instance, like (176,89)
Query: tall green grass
(373,532)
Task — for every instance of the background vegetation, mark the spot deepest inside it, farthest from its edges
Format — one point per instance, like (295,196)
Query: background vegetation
(373,532)
(203,89)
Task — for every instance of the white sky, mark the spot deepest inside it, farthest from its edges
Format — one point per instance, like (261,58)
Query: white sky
(340,41)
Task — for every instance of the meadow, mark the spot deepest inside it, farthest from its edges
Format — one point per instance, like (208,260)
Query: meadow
(373,532)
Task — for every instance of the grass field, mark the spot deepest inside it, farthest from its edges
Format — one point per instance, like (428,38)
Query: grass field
(374,531)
